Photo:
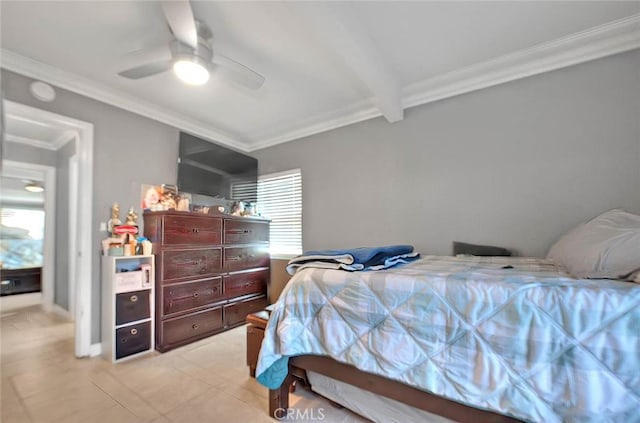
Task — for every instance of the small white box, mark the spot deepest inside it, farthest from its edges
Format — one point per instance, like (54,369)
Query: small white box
(129,281)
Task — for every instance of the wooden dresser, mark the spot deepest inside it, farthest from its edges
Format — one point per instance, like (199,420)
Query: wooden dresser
(211,271)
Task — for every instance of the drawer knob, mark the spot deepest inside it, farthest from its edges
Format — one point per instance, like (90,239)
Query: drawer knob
(194,326)
(195,230)
(134,298)
(134,331)
(195,294)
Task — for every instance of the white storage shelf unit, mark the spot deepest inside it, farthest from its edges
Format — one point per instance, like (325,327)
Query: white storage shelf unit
(127,306)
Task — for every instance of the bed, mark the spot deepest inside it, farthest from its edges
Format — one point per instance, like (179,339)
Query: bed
(467,338)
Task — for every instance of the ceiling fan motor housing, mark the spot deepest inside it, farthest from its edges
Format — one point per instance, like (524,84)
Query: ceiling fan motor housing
(202,54)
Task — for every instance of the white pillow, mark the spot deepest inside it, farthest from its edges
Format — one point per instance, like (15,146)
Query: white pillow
(607,246)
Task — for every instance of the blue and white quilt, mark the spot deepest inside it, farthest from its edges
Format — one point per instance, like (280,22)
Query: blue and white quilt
(354,259)
(514,335)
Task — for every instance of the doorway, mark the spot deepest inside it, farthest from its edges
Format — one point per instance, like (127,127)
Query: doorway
(19,120)
(28,235)
(21,243)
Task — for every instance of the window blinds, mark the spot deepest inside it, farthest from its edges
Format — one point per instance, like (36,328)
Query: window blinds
(280,199)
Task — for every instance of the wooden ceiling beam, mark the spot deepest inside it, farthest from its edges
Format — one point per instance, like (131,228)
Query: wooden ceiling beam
(338,26)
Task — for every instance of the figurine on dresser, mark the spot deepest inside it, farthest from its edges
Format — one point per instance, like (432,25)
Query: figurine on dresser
(132,216)
(115,218)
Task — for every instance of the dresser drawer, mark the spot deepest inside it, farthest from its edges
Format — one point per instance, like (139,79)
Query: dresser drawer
(133,339)
(245,283)
(193,325)
(185,296)
(239,258)
(132,306)
(191,230)
(237,312)
(244,232)
(177,264)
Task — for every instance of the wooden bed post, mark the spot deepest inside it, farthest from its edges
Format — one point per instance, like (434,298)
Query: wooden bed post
(279,398)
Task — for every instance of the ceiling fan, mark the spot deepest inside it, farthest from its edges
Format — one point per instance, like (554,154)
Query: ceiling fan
(191,53)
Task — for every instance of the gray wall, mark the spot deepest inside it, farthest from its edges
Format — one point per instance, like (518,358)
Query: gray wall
(62,286)
(26,154)
(129,150)
(514,165)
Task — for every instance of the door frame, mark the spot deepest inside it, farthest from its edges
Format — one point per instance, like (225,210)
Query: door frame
(47,175)
(83,134)
(73,233)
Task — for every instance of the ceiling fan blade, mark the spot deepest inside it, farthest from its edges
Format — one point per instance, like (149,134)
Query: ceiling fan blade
(238,72)
(181,21)
(148,69)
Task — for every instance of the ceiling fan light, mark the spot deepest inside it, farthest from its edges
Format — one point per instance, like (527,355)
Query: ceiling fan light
(191,71)
(34,187)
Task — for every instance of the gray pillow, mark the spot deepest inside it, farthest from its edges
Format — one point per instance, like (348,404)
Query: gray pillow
(478,250)
(607,246)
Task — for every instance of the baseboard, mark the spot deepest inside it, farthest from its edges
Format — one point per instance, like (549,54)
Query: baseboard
(56,309)
(95,350)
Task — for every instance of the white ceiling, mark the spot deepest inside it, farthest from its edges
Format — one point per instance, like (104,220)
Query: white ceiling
(35,132)
(13,192)
(327,64)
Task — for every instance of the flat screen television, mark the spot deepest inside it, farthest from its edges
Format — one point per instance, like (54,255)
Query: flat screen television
(210,169)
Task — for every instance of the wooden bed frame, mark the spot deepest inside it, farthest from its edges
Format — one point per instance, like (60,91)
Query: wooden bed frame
(279,398)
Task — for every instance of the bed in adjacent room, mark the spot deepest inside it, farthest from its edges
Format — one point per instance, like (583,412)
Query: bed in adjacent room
(467,338)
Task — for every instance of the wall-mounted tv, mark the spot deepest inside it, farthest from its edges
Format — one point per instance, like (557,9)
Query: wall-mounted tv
(211,169)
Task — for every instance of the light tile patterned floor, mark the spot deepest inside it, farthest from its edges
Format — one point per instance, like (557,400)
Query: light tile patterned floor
(207,381)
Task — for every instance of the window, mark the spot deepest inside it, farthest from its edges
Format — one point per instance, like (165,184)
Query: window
(21,238)
(280,199)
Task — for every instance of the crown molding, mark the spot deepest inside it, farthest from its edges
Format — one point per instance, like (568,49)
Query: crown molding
(61,140)
(344,116)
(101,92)
(598,42)
(595,43)
(28,141)
(63,131)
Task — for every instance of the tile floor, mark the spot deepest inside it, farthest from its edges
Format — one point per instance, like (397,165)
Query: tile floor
(206,381)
